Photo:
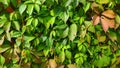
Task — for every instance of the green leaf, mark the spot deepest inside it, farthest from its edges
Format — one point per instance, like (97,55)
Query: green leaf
(50,21)
(2,22)
(22,8)
(2,60)
(15,34)
(18,41)
(68,54)
(7,26)
(29,21)
(1,31)
(72,32)
(37,8)
(62,56)
(8,36)
(17,25)
(65,33)
(103,1)
(14,3)
(112,36)
(28,38)
(35,22)
(30,9)
(1,40)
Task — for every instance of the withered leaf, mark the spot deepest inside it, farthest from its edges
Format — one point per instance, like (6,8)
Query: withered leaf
(109,14)
(105,24)
(52,63)
(96,19)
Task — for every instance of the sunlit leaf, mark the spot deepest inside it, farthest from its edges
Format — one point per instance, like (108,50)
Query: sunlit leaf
(22,8)
(37,8)
(72,32)
(2,60)
(17,25)
(2,40)
(30,9)
(62,56)
(65,33)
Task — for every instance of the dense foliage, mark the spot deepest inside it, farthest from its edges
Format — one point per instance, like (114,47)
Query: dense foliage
(59,33)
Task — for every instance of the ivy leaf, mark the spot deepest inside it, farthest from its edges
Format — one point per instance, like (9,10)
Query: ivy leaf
(72,32)
(22,8)
(30,9)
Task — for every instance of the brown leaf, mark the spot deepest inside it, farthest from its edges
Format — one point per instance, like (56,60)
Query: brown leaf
(110,22)
(96,19)
(105,24)
(96,7)
(52,63)
(72,66)
(109,14)
(61,66)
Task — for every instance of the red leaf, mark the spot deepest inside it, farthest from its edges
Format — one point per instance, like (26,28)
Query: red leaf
(105,24)
(96,19)
(9,9)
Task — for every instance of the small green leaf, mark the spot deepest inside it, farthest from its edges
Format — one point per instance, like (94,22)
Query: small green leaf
(18,41)
(2,22)
(1,31)
(14,3)
(30,9)
(29,21)
(8,36)
(50,21)
(22,8)
(17,25)
(35,22)
(2,60)
(72,32)
(62,56)
(1,40)
(68,54)
(37,8)
(65,33)
(7,26)
(103,1)
(28,38)
(15,34)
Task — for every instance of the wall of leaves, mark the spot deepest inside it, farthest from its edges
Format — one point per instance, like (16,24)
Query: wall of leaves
(59,33)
